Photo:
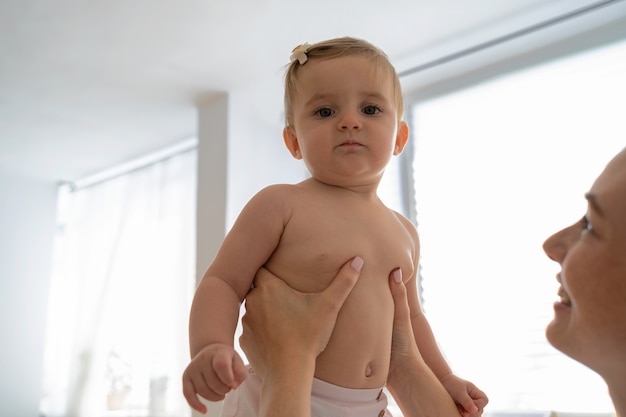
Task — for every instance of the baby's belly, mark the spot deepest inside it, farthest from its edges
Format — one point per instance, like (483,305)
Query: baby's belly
(358,353)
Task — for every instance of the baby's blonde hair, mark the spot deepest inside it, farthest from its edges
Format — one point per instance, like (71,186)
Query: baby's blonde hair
(336,48)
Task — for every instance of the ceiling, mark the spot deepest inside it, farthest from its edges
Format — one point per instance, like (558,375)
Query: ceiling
(85,85)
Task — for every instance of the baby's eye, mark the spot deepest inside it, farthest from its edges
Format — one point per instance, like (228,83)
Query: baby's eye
(324,112)
(371,110)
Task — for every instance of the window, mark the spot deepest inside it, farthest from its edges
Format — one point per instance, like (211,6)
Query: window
(498,168)
(123,279)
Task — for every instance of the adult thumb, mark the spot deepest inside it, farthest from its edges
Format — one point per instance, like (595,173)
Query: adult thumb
(399,294)
(343,283)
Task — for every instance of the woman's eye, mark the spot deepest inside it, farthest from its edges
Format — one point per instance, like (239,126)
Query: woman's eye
(371,110)
(324,112)
(586,225)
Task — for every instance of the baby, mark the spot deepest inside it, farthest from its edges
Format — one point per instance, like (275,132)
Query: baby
(344,119)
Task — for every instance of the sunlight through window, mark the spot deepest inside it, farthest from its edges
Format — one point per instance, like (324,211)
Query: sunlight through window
(498,168)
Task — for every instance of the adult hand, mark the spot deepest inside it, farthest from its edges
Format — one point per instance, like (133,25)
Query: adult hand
(414,386)
(281,322)
(403,347)
(284,331)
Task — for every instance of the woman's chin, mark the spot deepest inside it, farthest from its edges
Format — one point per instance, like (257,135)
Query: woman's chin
(561,332)
(556,329)
(551,333)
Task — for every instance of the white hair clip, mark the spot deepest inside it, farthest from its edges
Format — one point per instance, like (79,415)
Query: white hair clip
(299,53)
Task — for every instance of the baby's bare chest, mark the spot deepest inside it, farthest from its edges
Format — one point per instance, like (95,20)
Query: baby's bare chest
(320,238)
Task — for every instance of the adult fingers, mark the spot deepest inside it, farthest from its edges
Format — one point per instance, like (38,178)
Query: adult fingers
(345,280)
(399,294)
(265,279)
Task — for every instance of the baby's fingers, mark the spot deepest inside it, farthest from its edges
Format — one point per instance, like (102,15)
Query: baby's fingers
(239,370)
(475,403)
(223,363)
(195,384)
(190,392)
(479,399)
(473,412)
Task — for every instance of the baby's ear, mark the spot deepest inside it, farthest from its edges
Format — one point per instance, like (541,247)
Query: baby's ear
(291,141)
(402,137)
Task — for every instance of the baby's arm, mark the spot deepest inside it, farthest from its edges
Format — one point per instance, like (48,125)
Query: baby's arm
(470,400)
(424,337)
(215,367)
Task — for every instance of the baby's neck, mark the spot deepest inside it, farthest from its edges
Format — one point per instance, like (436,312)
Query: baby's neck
(368,191)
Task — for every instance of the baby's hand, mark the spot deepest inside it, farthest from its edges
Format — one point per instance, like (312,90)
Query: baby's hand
(469,399)
(212,373)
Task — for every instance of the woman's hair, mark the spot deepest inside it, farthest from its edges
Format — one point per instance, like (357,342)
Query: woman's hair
(336,48)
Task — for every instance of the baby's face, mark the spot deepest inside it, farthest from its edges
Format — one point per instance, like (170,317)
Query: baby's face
(345,120)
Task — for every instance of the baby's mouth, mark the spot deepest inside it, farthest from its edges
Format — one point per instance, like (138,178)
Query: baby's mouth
(350,142)
(564,297)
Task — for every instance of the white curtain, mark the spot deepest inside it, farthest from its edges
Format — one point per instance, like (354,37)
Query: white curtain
(123,278)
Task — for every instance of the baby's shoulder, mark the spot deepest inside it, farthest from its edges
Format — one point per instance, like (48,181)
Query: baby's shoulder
(298,190)
(278,191)
(274,197)
(277,188)
(405,222)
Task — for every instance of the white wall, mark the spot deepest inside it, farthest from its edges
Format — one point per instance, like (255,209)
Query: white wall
(257,155)
(27,225)
(240,150)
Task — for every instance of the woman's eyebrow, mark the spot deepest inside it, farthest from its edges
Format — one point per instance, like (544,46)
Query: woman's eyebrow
(593,202)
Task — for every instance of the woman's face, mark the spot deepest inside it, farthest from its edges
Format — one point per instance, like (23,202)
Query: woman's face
(590,319)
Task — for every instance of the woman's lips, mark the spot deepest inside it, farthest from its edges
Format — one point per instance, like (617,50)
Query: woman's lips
(564,297)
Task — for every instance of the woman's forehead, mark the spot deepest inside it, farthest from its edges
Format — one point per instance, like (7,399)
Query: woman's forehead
(614,174)
(610,187)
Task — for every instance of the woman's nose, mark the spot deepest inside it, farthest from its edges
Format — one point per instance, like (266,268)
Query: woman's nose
(557,245)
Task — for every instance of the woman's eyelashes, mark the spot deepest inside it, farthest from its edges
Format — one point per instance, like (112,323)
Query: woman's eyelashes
(586,224)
